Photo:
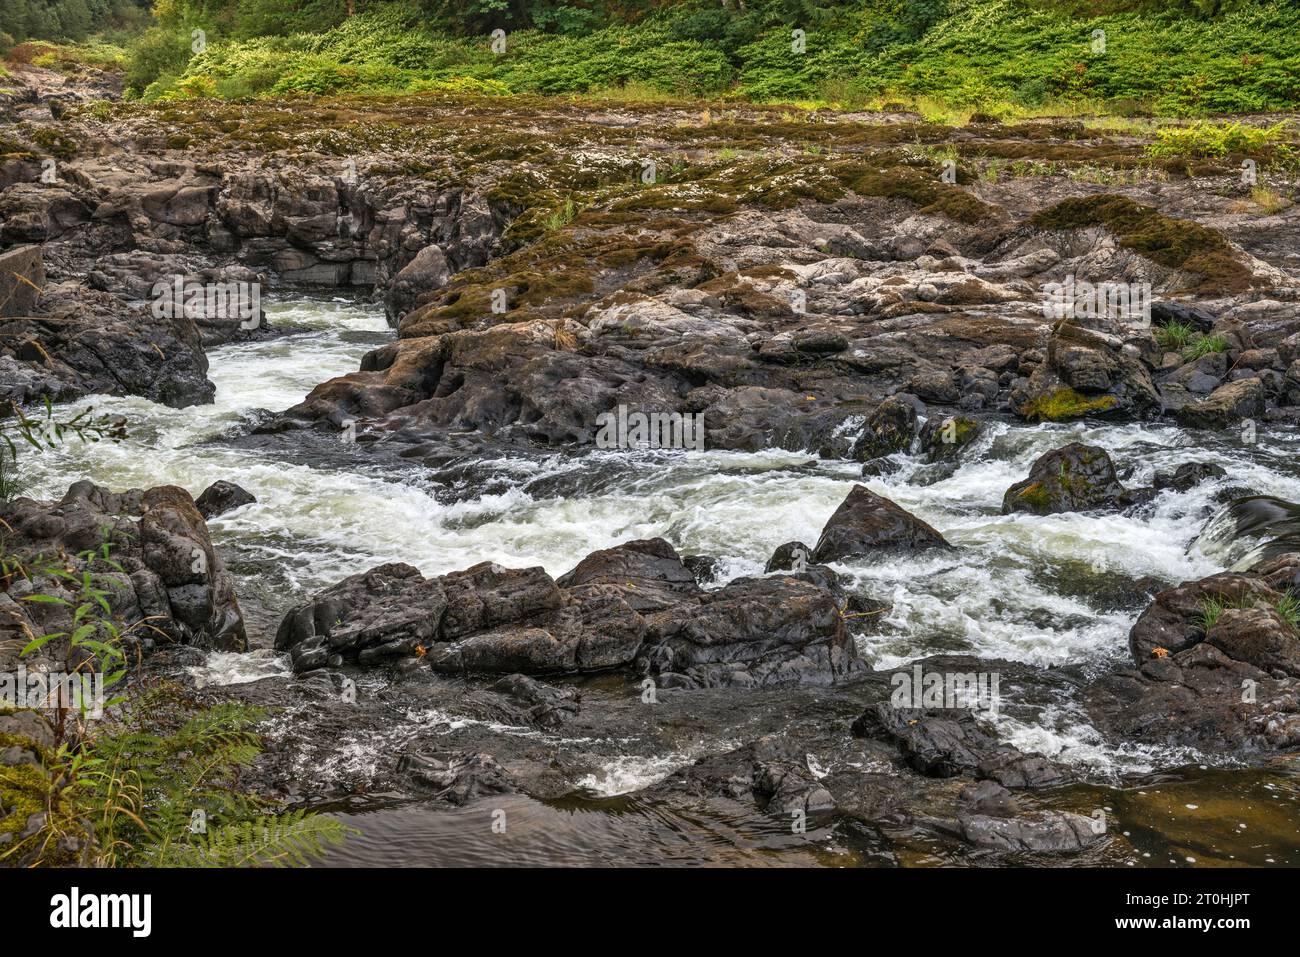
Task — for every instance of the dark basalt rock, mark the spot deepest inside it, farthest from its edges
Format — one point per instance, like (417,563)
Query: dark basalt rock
(171,574)
(540,704)
(221,497)
(792,556)
(950,742)
(1258,636)
(1050,832)
(648,575)
(1233,689)
(636,601)
(772,773)
(77,341)
(867,523)
(1165,311)
(890,428)
(1087,373)
(1188,476)
(754,631)
(1073,478)
(944,439)
(1174,621)
(704,568)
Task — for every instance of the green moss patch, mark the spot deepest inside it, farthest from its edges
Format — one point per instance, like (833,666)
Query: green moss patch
(1176,243)
(1063,404)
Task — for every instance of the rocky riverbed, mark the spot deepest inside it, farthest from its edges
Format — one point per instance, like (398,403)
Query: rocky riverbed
(953,578)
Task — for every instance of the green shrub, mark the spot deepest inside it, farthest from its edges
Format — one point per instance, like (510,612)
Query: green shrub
(1201,140)
(160,53)
(994,56)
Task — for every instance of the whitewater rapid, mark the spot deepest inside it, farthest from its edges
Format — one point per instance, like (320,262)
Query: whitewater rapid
(1021,587)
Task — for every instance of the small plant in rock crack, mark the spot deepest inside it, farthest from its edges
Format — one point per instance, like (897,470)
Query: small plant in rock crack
(559,218)
(1287,608)
(96,638)
(1203,346)
(1175,336)
(43,432)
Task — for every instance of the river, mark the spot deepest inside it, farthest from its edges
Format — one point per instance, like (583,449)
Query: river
(1042,590)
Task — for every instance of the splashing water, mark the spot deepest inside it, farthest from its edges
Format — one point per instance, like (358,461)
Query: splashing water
(1029,588)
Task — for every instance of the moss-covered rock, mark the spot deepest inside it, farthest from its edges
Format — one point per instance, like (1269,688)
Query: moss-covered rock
(890,428)
(39,823)
(944,439)
(1073,478)
(1176,243)
(1064,404)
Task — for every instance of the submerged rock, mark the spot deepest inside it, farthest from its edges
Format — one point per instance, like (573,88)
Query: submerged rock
(457,777)
(772,773)
(1188,476)
(951,742)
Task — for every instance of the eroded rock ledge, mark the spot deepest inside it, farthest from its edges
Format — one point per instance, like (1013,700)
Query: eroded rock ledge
(633,606)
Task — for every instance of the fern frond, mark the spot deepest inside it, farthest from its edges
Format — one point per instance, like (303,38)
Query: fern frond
(292,839)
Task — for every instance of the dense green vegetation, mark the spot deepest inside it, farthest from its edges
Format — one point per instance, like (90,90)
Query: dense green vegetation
(1007,57)
(73,20)
(1004,56)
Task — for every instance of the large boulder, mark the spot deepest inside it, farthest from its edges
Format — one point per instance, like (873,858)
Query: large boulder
(1175,620)
(780,630)
(866,524)
(1226,406)
(1087,373)
(637,602)
(80,342)
(162,569)
(1073,478)
(1217,663)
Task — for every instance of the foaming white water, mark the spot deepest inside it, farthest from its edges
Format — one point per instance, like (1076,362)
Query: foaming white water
(628,773)
(1020,587)
(233,668)
(1069,739)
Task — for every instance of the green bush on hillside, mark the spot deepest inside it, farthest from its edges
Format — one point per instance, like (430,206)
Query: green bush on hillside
(1182,59)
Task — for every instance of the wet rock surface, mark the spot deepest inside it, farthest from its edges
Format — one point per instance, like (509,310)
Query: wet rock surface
(847,305)
(635,603)
(867,524)
(1074,478)
(149,550)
